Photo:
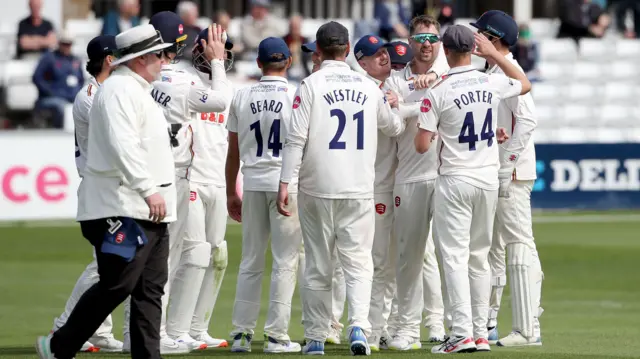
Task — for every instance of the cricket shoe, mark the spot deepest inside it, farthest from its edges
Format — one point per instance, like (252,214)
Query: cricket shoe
(493,335)
(374,343)
(384,342)
(358,344)
(436,335)
(455,344)
(334,335)
(210,341)
(191,343)
(272,345)
(107,344)
(43,347)
(516,339)
(405,343)
(482,345)
(170,346)
(241,343)
(85,348)
(313,347)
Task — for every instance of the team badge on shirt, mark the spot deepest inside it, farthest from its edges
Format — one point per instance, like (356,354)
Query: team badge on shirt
(426,105)
(397,201)
(380,208)
(296,102)
(192,196)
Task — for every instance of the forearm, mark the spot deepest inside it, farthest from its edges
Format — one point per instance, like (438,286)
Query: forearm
(231,170)
(512,71)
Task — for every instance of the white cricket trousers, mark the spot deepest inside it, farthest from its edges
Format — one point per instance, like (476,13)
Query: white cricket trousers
(176,232)
(384,261)
(513,224)
(261,220)
(432,287)
(87,279)
(412,217)
(348,225)
(463,227)
(203,262)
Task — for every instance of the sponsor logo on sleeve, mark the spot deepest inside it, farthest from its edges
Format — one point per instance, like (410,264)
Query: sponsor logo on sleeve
(426,106)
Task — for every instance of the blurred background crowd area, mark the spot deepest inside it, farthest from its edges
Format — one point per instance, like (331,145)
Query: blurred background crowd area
(582,54)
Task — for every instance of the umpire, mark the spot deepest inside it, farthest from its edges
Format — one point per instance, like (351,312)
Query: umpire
(125,201)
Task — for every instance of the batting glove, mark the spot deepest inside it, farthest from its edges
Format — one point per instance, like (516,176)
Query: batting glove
(505,174)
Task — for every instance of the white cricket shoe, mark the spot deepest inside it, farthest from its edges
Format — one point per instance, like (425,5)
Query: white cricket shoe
(107,344)
(191,343)
(456,344)
(405,343)
(210,341)
(516,339)
(374,343)
(43,347)
(493,335)
(384,342)
(170,346)
(88,348)
(241,343)
(436,334)
(334,335)
(482,345)
(272,345)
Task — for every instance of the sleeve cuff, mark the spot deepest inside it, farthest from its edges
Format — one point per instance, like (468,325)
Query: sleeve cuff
(148,192)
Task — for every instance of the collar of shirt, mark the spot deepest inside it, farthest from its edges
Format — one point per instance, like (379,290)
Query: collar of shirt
(166,67)
(495,68)
(460,69)
(273,79)
(125,70)
(378,82)
(94,82)
(408,74)
(333,63)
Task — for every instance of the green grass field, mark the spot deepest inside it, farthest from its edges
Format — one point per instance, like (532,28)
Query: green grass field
(591,291)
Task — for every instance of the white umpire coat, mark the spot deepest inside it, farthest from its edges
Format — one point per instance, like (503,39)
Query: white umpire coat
(129,152)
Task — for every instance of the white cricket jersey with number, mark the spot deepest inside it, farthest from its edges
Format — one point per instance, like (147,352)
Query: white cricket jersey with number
(336,115)
(412,166)
(81,107)
(182,95)
(517,115)
(462,109)
(261,115)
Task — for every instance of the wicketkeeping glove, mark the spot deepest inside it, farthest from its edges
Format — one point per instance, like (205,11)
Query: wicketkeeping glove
(505,173)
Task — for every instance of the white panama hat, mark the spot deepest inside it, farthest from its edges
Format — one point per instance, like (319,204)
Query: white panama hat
(138,41)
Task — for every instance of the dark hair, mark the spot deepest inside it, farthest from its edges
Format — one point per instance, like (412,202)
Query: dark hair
(333,51)
(94,67)
(274,66)
(424,20)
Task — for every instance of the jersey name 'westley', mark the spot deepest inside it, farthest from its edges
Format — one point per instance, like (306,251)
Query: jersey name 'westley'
(345,95)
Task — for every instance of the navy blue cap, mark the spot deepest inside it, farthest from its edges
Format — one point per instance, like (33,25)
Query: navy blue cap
(332,33)
(498,24)
(368,45)
(399,52)
(309,47)
(273,49)
(170,26)
(204,35)
(100,46)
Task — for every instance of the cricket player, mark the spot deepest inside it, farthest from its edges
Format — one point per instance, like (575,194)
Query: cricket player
(338,289)
(462,108)
(100,51)
(413,198)
(513,226)
(182,97)
(336,182)
(204,254)
(259,119)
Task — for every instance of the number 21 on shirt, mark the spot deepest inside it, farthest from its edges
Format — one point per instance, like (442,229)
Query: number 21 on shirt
(338,143)
(468,133)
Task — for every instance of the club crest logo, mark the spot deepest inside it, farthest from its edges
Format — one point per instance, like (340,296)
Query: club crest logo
(512,158)
(373,40)
(192,196)
(426,105)
(296,102)
(397,201)
(381,208)
(401,50)
(180,29)
(120,237)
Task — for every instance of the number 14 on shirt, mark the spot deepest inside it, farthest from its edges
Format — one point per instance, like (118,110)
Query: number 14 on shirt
(273,141)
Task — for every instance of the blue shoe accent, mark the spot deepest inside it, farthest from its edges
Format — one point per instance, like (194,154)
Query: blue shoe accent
(493,335)
(313,347)
(358,342)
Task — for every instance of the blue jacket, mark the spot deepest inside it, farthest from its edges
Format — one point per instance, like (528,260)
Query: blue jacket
(110,23)
(54,76)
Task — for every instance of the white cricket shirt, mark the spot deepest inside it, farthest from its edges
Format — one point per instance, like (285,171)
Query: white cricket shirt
(463,110)
(183,96)
(129,152)
(261,116)
(334,132)
(81,107)
(413,166)
(518,116)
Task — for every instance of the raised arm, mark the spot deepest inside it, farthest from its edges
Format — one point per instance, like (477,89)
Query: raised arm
(485,49)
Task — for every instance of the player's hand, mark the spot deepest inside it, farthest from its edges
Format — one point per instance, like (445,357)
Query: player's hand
(157,207)
(234,207)
(504,176)
(424,81)
(214,46)
(283,199)
(484,47)
(392,98)
(502,135)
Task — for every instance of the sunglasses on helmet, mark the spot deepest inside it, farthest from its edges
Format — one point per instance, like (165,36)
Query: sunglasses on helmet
(422,38)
